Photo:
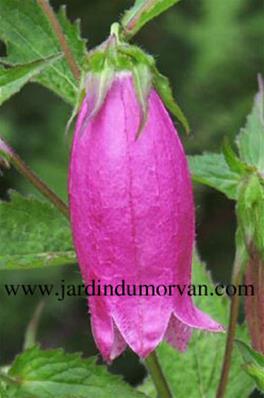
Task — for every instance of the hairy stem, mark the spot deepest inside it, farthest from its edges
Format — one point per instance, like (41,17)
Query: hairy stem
(20,165)
(47,9)
(232,324)
(158,376)
(133,21)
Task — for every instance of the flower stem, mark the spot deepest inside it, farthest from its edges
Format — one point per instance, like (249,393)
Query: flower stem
(132,22)
(157,376)
(232,324)
(20,165)
(48,11)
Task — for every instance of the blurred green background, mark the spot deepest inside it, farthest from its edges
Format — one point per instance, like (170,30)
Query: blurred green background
(212,51)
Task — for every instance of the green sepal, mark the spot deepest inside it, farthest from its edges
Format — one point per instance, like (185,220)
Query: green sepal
(79,100)
(136,54)
(114,56)
(142,79)
(95,61)
(98,85)
(163,87)
(96,81)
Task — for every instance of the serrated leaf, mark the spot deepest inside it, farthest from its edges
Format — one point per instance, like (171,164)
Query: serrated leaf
(195,373)
(29,37)
(142,12)
(55,374)
(14,78)
(162,85)
(26,240)
(254,363)
(250,141)
(212,170)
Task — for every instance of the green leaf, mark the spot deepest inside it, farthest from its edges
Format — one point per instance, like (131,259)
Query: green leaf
(212,170)
(249,355)
(250,141)
(55,374)
(26,240)
(162,85)
(195,373)
(2,391)
(233,161)
(142,12)
(29,37)
(13,79)
(250,210)
(254,363)
(257,375)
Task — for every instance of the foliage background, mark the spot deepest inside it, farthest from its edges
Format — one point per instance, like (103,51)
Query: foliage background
(212,52)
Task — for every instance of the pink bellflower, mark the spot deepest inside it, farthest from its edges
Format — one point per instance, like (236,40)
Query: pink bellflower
(132,216)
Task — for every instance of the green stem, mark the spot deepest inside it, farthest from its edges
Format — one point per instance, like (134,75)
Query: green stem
(48,11)
(22,168)
(157,376)
(234,310)
(233,317)
(132,22)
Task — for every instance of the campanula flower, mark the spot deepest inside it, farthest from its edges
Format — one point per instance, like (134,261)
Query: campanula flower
(132,215)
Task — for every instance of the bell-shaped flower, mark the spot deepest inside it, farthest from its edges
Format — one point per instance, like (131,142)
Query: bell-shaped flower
(133,221)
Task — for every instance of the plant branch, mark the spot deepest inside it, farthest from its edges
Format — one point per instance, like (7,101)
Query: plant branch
(20,165)
(232,324)
(141,13)
(157,376)
(48,11)
(134,20)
